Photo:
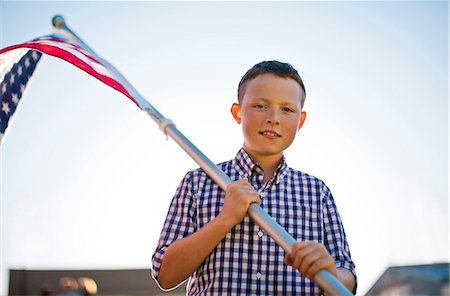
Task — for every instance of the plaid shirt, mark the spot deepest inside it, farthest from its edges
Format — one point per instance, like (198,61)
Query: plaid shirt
(247,261)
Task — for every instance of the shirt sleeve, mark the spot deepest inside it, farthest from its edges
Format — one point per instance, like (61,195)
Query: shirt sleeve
(335,238)
(180,221)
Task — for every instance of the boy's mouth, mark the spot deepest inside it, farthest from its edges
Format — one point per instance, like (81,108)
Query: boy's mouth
(270,134)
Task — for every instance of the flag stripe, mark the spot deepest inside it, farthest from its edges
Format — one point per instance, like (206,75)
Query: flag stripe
(67,48)
(65,44)
(64,54)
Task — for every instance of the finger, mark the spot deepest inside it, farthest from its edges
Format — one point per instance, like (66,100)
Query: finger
(321,264)
(257,200)
(287,259)
(244,182)
(297,247)
(300,252)
(249,192)
(309,261)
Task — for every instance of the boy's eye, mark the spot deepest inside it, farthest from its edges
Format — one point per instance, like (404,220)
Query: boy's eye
(289,110)
(259,106)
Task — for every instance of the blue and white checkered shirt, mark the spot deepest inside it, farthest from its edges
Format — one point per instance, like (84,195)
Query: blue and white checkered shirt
(247,261)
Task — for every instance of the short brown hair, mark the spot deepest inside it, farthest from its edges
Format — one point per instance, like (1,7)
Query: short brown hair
(276,68)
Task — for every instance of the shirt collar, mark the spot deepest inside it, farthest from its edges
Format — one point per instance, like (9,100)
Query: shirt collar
(245,165)
(281,170)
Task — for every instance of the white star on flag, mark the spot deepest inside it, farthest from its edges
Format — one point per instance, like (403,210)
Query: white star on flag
(5,108)
(34,55)
(15,98)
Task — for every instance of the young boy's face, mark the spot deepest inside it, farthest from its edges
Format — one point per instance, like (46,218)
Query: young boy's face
(270,113)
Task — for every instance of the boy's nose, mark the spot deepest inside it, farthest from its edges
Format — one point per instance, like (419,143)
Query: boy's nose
(273,120)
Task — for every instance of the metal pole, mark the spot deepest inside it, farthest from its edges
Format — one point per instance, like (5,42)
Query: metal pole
(323,278)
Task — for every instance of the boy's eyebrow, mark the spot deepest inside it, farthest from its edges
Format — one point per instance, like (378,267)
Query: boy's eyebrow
(269,101)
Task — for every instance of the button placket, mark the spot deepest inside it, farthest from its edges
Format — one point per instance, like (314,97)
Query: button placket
(262,193)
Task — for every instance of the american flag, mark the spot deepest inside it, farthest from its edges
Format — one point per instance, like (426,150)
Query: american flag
(17,63)
(16,68)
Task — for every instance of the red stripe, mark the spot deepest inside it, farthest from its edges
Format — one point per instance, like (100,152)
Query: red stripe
(74,46)
(69,57)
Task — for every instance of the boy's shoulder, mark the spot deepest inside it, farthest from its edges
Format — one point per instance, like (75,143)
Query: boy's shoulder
(199,174)
(303,175)
(306,177)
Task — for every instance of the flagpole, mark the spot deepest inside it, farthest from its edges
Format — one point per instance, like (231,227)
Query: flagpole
(323,278)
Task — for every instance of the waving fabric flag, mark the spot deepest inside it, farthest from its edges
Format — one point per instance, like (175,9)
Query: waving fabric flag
(16,68)
(14,72)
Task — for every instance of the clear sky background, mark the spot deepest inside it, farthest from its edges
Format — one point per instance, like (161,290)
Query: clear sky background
(87,178)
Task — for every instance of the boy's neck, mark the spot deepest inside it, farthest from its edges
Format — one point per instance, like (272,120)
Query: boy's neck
(269,170)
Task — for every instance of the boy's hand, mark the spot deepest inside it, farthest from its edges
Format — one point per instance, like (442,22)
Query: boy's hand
(309,257)
(238,197)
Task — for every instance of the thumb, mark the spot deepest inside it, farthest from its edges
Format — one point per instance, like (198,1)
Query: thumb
(287,259)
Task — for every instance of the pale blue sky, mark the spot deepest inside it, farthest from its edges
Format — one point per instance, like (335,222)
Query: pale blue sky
(86,177)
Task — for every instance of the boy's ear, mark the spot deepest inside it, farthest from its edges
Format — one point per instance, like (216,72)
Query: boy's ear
(302,120)
(236,111)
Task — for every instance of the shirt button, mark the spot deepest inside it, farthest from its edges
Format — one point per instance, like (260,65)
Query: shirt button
(258,276)
(260,233)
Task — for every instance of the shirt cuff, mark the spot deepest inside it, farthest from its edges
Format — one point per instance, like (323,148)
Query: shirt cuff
(349,266)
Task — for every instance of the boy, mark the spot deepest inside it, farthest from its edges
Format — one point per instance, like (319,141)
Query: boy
(207,236)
